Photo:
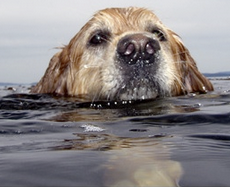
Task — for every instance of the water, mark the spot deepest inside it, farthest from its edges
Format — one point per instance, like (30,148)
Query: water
(51,141)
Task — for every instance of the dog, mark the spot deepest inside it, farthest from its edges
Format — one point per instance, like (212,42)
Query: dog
(123,54)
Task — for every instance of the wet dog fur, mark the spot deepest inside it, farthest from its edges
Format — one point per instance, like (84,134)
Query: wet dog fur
(123,54)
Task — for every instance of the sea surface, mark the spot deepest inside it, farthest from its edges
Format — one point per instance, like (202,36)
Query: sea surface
(58,141)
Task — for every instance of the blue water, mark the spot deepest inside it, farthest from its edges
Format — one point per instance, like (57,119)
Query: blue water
(52,141)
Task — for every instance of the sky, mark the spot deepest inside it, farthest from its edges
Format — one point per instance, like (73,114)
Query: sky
(31,31)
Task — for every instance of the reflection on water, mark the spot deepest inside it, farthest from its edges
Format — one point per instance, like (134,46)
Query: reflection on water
(52,141)
(131,161)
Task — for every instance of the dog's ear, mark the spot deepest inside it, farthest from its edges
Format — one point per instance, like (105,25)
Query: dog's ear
(192,80)
(55,77)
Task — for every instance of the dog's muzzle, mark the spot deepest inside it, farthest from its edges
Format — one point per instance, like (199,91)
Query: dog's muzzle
(138,60)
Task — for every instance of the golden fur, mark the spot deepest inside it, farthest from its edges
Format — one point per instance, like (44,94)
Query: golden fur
(93,63)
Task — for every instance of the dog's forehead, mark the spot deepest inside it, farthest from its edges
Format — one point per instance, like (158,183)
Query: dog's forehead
(124,18)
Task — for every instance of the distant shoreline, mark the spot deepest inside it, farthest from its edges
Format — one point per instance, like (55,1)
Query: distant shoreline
(219,74)
(15,84)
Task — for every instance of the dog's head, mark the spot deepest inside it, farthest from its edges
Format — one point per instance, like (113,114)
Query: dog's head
(124,54)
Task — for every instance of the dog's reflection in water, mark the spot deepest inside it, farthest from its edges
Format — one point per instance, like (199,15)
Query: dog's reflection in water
(131,161)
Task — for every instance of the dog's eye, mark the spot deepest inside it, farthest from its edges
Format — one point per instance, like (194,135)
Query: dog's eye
(98,39)
(159,34)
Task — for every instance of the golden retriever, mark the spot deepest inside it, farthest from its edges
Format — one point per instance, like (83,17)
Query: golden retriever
(123,54)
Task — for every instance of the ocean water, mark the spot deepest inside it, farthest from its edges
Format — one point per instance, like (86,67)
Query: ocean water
(57,141)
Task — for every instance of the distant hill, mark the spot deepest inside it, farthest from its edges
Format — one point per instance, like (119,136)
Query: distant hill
(14,84)
(219,74)
(8,84)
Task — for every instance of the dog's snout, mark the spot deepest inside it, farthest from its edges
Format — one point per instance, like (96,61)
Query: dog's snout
(137,48)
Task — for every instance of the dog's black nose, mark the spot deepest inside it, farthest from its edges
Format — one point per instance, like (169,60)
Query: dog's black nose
(137,48)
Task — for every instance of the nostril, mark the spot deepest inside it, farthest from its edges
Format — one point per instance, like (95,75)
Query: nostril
(129,49)
(149,48)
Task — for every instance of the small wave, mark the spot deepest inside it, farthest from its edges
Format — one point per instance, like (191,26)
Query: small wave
(184,119)
(222,137)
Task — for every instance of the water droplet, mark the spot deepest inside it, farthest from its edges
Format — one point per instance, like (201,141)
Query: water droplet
(86,66)
(123,86)
(197,105)
(124,102)
(191,94)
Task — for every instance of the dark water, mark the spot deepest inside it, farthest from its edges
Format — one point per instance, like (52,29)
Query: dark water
(50,141)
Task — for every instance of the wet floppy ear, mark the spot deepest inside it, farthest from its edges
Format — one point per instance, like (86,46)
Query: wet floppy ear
(54,80)
(192,79)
